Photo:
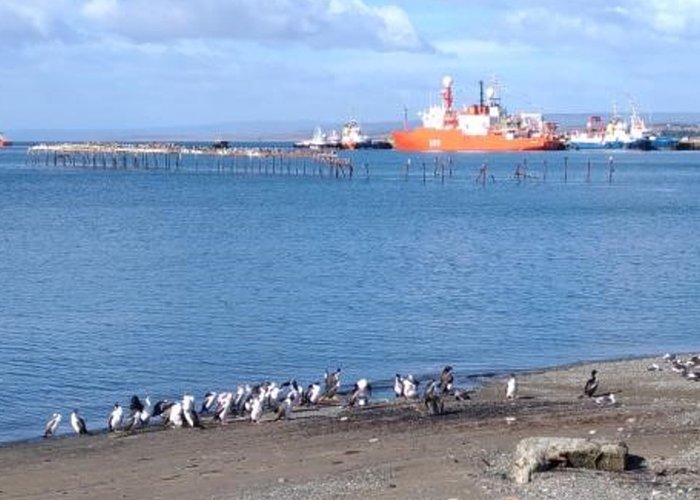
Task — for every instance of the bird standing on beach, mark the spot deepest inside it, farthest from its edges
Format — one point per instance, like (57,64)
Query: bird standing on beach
(591,384)
(189,413)
(52,425)
(77,423)
(360,393)
(432,397)
(332,380)
(410,387)
(446,379)
(511,388)
(398,385)
(114,422)
(312,394)
(208,402)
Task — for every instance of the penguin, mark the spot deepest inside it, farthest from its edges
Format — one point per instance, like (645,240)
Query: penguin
(511,388)
(161,408)
(114,421)
(77,423)
(398,386)
(410,387)
(360,393)
(591,384)
(52,425)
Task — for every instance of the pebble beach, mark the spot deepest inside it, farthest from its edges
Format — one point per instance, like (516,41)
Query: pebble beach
(393,449)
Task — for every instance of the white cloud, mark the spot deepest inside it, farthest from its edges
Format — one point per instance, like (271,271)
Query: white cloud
(318,23)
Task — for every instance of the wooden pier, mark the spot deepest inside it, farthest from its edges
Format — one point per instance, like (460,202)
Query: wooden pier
(157,156)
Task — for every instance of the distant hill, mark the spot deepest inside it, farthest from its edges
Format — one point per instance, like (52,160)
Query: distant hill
(283,130)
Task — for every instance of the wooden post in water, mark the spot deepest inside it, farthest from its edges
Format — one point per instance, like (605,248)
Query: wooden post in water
(566,168)
(544,171)
(423,172)
(588,171)
(408,166)
(611,169)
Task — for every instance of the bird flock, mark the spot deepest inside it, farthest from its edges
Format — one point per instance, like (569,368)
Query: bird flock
(252,402)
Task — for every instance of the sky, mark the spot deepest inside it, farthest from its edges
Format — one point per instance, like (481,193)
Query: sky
(71,64)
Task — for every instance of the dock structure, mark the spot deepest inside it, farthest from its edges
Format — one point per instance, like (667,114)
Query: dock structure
(159,156)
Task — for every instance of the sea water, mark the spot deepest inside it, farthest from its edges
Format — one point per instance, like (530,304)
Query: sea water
(115,283)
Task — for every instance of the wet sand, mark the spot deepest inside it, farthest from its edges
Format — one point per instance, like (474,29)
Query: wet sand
(392,450)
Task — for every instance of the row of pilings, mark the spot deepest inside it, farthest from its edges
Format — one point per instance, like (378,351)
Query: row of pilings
(237,160)
(523,171)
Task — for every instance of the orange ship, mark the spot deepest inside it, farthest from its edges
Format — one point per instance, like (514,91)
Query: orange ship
(481,127)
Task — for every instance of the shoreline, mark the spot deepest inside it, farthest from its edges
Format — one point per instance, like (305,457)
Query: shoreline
(475,381)
(393,450)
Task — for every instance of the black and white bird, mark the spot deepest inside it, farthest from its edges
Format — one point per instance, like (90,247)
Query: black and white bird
(223,406)
(432,397)
(410,387)
(332,384)
(591,384)
(511,388)
(606,399)
(140,413)
(77,423)
(257,405)
(114,421)
(162,408)
(446,379)
(52,425)
(398,385)
(360,394)
(208,403)
(175,416)
(189,413)
(312,394)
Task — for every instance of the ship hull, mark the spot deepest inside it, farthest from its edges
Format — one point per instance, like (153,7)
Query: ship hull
(426,139)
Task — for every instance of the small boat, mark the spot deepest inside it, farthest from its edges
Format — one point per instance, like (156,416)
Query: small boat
(485,126)
(353,138)
(318,140)
(4,141)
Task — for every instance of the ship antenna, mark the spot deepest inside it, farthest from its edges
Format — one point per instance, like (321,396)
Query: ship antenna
(481,93)
(405,118)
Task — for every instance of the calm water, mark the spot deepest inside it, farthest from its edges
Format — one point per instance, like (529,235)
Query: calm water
(114,283)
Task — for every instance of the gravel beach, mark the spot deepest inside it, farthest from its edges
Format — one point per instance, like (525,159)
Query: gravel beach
(393,449)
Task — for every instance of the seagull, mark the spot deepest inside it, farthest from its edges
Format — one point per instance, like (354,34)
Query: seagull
(208,402)
(591,384)
(77,423)
(332,380)
(114,421)
(410,387)
(360,393)
(511,388)
(52,425)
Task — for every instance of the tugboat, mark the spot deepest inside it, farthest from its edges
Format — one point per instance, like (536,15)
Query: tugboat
(480,127)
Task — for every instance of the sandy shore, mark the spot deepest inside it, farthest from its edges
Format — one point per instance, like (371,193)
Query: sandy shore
(392,450)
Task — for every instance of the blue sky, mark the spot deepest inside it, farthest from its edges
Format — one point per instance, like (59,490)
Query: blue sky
(143,63)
